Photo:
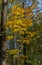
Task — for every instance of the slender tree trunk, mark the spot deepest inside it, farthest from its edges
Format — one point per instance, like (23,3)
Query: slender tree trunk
(24,53)
(2,31)
(24,45)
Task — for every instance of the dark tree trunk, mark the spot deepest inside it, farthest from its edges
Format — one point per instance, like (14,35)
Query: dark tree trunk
(2,32)
(24,53)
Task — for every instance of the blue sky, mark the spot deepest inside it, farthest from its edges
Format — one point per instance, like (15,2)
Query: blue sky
(39,6)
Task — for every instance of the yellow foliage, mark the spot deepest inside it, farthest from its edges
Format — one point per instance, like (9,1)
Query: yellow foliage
(23,57)
(27,41)
(15,30)
(28,10)
(19,24)
(21,32)
(13,51)
(17,10)
(9,24)
(9,37)
(31,24)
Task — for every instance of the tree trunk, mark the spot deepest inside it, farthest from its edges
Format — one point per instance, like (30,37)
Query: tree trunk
(24,53)
(2,31)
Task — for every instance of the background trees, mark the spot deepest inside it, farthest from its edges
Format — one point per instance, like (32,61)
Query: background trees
(23,32)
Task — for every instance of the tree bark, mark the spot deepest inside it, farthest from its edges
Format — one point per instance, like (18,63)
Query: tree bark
(2,32)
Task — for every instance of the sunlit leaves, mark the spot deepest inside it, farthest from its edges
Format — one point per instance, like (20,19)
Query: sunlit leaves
(17,10)
(20,23)
(23,57)
(9,37)
(13,51)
